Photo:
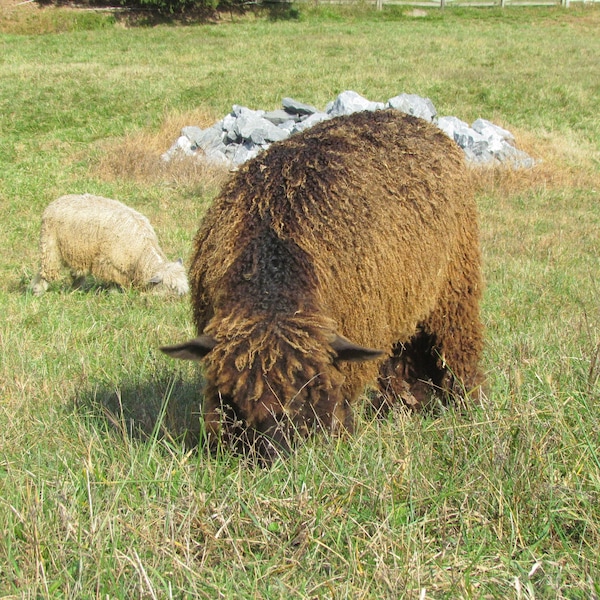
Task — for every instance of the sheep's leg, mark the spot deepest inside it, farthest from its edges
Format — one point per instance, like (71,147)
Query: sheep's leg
(457,332)
(411,375)
(78,280)
(440,362)
(50,263)
(38,285)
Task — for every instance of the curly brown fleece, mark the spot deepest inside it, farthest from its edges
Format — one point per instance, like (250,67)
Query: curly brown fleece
(364,227)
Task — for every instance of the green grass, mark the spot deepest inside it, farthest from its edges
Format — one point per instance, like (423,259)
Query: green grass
(499,501)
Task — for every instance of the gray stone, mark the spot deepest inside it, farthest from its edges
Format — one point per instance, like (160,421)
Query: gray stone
(469,139)
(411,104)
(451,124)
(311,120)
(349,102)
(489,130)
(501,145)
(238,111)
(181,147)
(258,129)
(478,155)
(227,122)
(192,133)
(280,116)
(231,137)
(246,124)
(485,143)
(240,153)
(288,126)
(269,133)
(212,137)
(475,145)
(297,108)
(244,132)
(499,140)
(217,156)
(227,125)
(514,157)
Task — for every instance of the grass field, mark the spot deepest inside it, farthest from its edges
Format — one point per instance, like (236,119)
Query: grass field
(497,501)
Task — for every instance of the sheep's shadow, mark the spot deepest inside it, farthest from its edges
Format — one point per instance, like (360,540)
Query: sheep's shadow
(167,407)
(68,285)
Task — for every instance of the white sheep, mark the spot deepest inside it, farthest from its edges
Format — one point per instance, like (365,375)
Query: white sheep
(107,239)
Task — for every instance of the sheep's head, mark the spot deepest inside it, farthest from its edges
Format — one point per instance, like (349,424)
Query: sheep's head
(272,384)
(172,277)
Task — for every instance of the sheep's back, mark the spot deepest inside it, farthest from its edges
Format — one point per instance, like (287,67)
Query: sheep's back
(378,203)
(88,229)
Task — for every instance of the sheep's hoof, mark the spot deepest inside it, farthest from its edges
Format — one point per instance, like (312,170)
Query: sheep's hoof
(38,286)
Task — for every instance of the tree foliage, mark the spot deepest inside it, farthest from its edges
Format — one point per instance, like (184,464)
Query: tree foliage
(163,8)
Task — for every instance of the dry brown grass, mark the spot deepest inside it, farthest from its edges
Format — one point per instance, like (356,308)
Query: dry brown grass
(137,156)
(15,15)
(560,163)
(28,17)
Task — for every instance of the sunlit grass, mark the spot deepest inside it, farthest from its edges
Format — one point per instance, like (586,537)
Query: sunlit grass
(103,492)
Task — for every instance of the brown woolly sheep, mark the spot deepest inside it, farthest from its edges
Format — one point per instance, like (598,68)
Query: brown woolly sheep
(343,256)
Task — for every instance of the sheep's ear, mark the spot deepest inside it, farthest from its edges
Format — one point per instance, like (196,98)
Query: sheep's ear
(195,349)
(347,350)
(156,279)
(180,260)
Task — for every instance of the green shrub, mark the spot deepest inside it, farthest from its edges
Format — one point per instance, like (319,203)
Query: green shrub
(160,7)
(172,7)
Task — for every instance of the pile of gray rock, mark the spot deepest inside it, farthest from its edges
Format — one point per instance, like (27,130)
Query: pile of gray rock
(243,133)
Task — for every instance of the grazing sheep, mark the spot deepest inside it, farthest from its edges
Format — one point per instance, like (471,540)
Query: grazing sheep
(104,238)
(344,256)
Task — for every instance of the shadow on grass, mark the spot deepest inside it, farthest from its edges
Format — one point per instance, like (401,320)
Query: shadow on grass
(227,11)
(141,13)
(164,408)
(85,285)
(281,11)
